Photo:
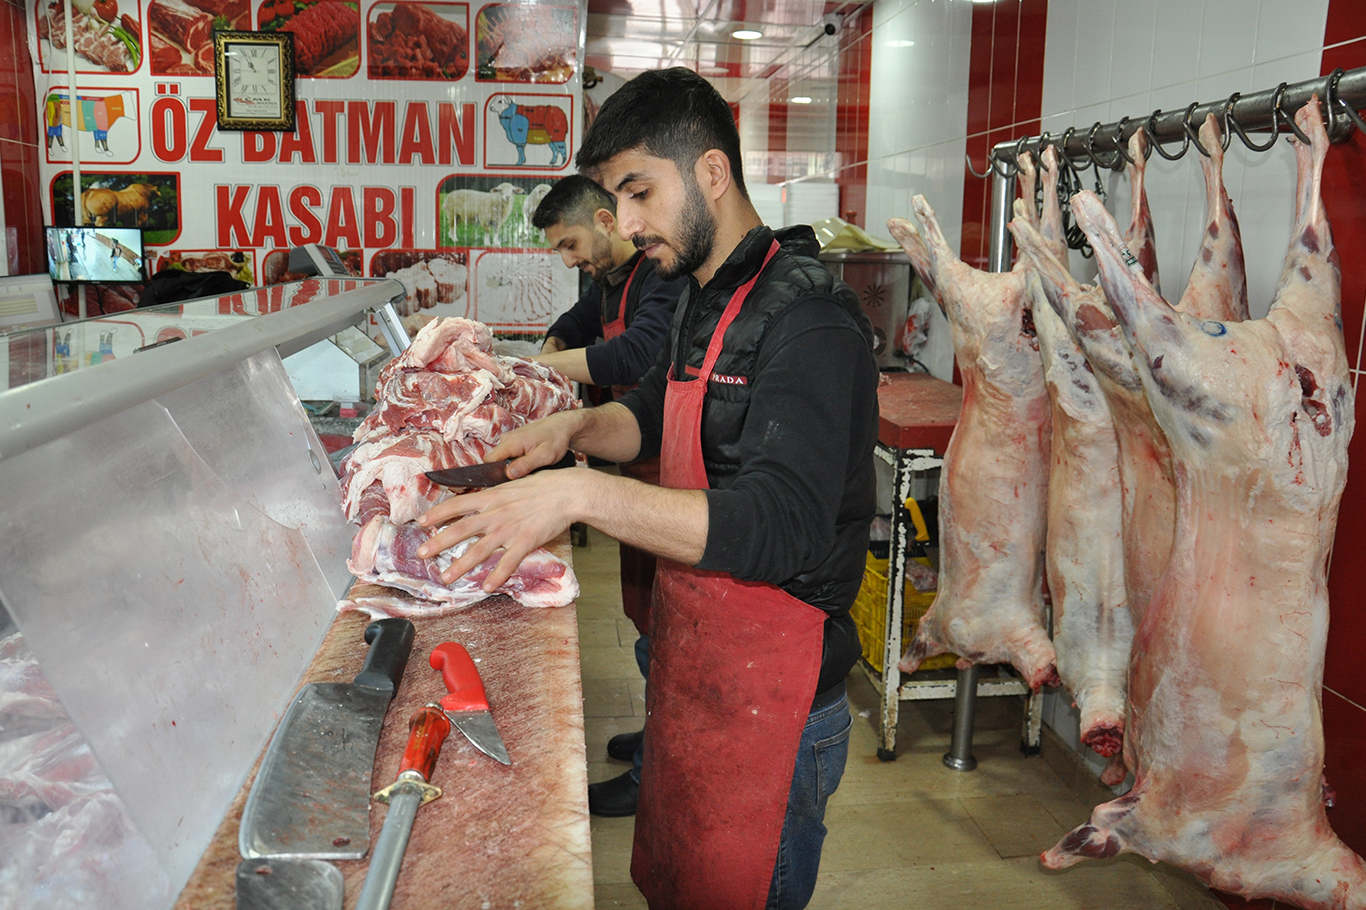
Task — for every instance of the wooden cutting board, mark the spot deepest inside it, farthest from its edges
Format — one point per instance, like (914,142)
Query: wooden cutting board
(499,836)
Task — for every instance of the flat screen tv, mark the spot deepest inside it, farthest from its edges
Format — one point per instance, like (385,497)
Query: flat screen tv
(95,255)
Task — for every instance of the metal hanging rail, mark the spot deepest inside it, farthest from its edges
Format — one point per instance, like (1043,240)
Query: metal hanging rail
(1270,111)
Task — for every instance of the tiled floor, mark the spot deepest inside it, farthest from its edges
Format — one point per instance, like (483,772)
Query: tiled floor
(908,833)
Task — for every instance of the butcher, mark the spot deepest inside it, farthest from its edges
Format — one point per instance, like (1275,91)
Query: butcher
(763,411)
(629,306)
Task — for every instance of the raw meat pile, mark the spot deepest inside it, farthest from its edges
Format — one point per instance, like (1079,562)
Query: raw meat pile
(66,840)
(1198,460)
(113,45)
(443,403)
(319,31)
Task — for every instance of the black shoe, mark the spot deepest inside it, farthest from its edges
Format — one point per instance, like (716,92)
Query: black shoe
(623,746)
(614,798)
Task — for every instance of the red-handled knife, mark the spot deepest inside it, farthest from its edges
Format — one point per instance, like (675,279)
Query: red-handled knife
(467,706)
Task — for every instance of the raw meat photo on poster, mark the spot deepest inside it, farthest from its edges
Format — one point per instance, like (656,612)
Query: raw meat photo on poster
(437,281)
(418,40)
(106,122)
(521,290)
(489,211)
(147,201)
(275,266)
(326,34)
(240,264)
(525,42)
(107,35)
(514,122)
(180,33)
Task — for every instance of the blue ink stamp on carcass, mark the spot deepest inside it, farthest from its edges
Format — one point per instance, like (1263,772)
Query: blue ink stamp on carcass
(1214,329)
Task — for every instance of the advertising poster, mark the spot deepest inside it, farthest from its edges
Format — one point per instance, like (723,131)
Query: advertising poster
(426,134)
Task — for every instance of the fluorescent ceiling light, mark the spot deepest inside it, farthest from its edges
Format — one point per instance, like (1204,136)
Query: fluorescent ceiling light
(801,99)
(900,43)
(747,34)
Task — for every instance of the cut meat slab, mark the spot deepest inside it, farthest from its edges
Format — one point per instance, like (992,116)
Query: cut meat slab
(384,553)
(1092,628)
(993,489)
(1225,720)
(398,463)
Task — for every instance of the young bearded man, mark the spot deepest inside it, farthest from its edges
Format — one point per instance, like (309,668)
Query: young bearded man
(629,306)
(763,409)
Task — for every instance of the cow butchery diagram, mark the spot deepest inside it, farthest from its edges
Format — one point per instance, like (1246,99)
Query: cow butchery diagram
(107,124)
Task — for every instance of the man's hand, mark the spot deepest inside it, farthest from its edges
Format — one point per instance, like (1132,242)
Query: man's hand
(553,343)
(515,517)
(573,364)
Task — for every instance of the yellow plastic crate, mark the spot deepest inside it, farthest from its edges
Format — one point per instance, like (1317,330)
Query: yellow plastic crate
(870,614)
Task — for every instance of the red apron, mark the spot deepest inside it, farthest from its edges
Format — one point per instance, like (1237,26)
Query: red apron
(733,669)
(637,566)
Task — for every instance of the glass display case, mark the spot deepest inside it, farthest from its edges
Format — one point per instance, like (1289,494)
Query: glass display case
(173,549)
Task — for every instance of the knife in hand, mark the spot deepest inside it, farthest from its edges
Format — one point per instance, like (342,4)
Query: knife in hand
(467,707)
(487,475)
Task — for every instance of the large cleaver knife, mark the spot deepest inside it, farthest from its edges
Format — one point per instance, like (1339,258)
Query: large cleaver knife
(312,796)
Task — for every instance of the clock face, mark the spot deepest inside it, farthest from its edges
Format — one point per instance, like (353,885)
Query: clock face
(254,82)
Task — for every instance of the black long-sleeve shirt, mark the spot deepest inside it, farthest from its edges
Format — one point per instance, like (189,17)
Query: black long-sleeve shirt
(788,430)
(626,358)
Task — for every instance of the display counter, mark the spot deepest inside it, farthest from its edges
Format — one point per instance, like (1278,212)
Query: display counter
(175,550)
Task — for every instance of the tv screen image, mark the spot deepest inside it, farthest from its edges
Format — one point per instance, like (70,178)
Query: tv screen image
(91,255)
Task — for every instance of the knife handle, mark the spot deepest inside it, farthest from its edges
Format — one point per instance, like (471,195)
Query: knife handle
(390,641)
(461,678)
(427,730)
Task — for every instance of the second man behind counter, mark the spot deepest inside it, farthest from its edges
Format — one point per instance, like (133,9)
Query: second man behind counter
(630,307)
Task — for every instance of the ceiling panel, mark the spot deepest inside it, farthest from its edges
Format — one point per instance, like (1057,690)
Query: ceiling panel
(626,37)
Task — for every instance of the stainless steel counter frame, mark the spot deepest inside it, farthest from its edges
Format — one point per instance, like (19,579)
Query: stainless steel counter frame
(40,412)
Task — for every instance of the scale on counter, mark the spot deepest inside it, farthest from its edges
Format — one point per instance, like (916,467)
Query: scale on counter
(315,259)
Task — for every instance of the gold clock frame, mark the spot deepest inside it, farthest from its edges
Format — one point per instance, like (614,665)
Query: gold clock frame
(284,42)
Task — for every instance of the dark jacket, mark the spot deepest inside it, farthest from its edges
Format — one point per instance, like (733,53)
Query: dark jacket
(788,427)
(649,307)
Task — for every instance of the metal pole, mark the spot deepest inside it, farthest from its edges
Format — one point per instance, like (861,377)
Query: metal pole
(74,108)
(1002,197)
(959,757)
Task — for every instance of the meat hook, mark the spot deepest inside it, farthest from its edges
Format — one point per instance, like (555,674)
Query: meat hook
(1331,101)
(1288,118)
(1091,152)
(999,168)
(1067,156)
(1238,127)
(1152,138)
(1191,134)
(1045,140)
(1119,142)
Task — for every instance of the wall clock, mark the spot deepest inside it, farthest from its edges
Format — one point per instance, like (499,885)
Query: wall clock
(254,76)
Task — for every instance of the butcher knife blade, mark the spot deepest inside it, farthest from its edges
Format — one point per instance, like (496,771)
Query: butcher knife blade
(311,797)
(466,705)
(487,475)
(288,884)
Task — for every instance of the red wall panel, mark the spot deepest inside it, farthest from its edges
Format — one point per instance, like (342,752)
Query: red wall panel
(1005,94)
(19,145)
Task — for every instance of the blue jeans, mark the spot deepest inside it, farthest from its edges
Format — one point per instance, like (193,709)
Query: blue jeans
(642,661)
(820,765)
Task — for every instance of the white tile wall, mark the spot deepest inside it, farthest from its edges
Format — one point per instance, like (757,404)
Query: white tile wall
(917,111)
